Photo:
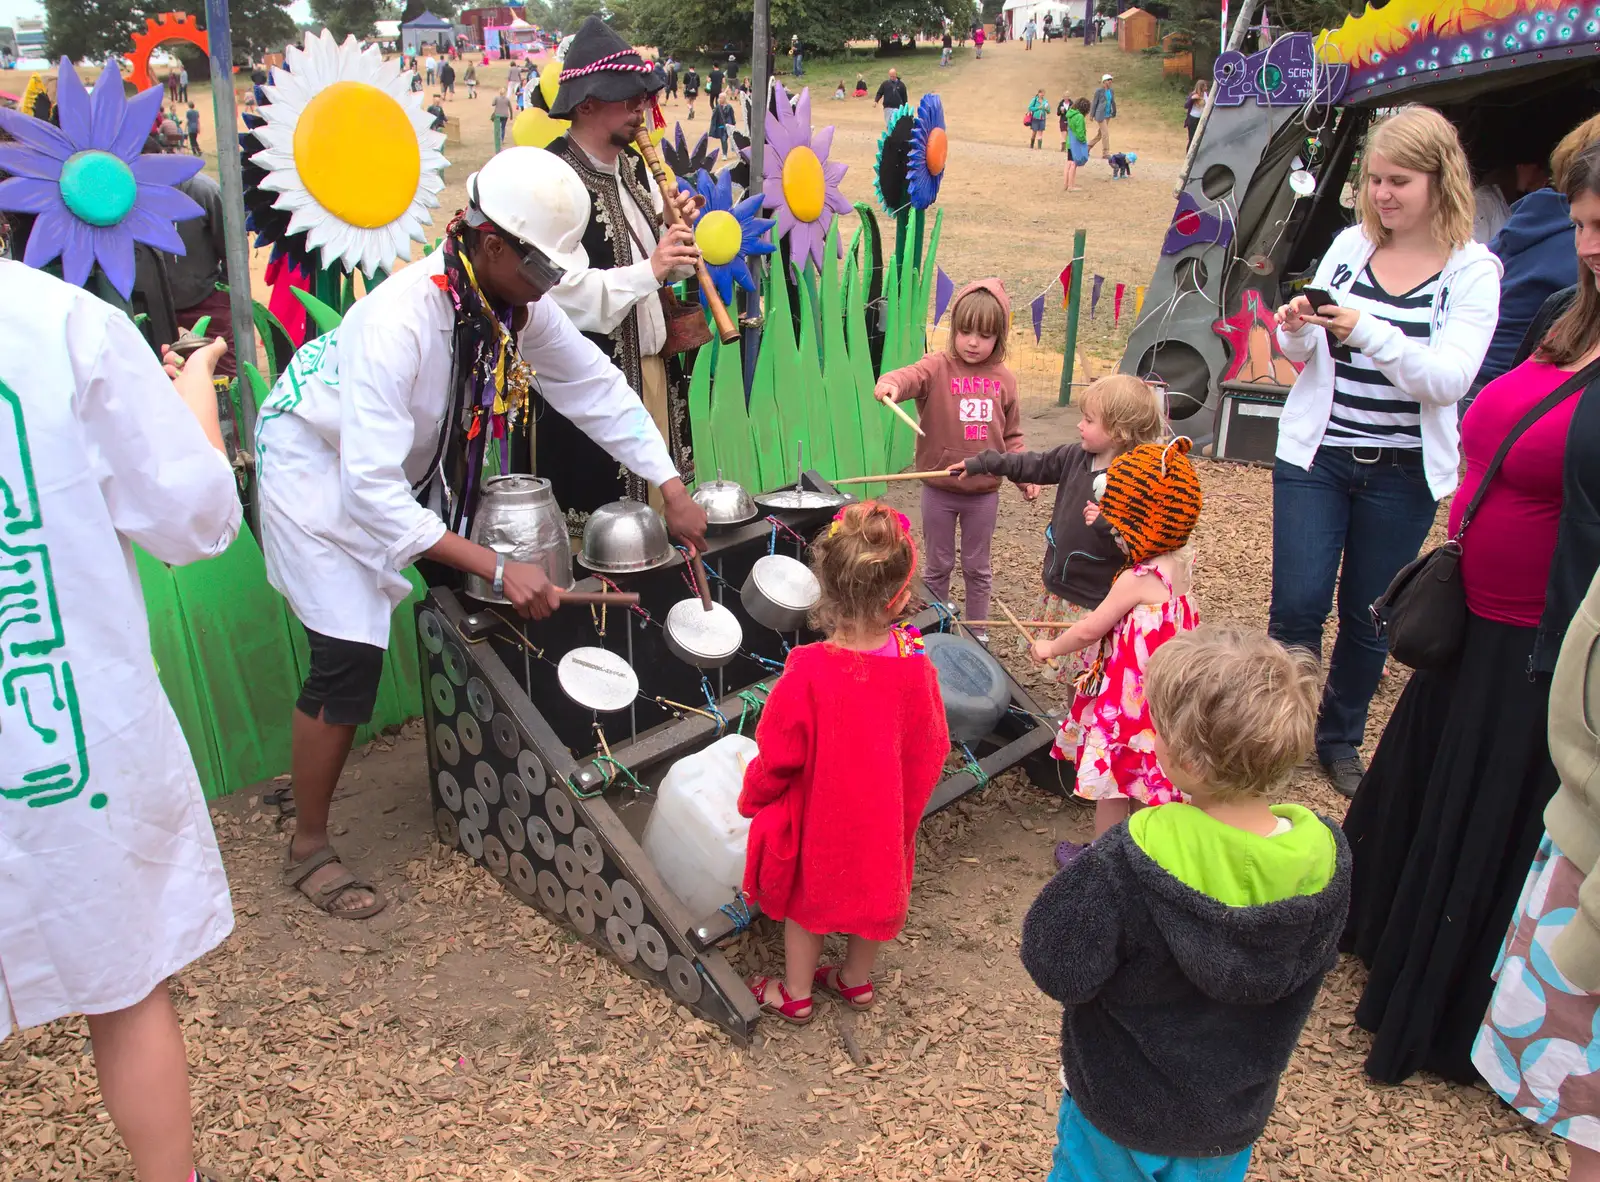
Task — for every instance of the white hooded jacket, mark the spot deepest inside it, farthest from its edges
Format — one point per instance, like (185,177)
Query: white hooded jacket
(1437,373)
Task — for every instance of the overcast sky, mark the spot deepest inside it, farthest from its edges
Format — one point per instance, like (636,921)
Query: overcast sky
(10,10)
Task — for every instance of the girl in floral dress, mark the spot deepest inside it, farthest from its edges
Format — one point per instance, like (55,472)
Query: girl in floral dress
(1152,501)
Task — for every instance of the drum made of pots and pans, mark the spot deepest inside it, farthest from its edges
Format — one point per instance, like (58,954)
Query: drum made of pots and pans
(598,679)
(976,691)
(780,593)
(704,639)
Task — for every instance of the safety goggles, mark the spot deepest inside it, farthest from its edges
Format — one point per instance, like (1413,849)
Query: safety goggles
(535,268)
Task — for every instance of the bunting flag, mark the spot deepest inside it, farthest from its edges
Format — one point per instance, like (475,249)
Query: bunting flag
(1066,284)
(1038,316)
(1138,300)
(1094,295)
(943,289)
(1116,303)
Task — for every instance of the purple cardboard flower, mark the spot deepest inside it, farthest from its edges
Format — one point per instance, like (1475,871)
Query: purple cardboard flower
(799,181)
(94,194)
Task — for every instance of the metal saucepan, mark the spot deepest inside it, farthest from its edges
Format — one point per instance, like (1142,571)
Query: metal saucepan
(598,679)
(726,503)
(624,538)
(704,639)
(800,498)
(780,593)
(518,516)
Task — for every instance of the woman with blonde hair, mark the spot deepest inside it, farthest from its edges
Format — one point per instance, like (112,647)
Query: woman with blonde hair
(1368,441)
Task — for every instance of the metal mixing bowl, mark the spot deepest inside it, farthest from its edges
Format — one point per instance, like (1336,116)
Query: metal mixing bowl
(625,537)
(725,502)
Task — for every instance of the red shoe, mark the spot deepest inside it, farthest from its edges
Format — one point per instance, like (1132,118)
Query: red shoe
(796,1011)
(857,997)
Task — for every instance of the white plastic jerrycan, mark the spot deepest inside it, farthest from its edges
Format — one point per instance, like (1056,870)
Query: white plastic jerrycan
(695,835)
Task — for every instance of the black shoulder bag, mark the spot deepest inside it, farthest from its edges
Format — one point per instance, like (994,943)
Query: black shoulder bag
(1424,610)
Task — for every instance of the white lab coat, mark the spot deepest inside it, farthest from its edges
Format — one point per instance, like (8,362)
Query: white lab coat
(353,423)
(110,880)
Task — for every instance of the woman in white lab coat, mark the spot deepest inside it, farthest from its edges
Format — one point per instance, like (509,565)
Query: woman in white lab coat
(110,880)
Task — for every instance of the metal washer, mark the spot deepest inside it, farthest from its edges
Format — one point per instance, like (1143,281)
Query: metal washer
(653,948)
(517,795)
(444,823)
(591,854)
(620,936)
(449,746)
(450,791)
(511,830)
(443,694)
(625,899)
(579,911)
(684,979)
(540,838)
(558,807)
(495,856)
(599,894)
(567,866)
(476,808)
(488,781)
(431,631)
(531,769)
(471,839)
(480,699)
(523,880)
(505,735)
(455,663)
(550,892)
(471,733)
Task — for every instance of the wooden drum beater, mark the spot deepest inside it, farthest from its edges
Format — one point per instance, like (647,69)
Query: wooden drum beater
(727,330)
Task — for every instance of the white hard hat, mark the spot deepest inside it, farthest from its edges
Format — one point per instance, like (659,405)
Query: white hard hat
(534,196)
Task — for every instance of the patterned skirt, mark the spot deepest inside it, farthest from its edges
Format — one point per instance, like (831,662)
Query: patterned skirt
(1539,1047)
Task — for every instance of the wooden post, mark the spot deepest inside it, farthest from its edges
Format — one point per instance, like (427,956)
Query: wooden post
(1070,349)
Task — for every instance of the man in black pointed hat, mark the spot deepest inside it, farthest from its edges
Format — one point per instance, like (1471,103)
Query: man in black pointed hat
(624,258)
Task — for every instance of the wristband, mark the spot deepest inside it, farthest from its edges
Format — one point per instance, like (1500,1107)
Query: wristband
(500,576)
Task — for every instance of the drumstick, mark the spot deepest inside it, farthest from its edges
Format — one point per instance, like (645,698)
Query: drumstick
(704,580)
(613,598)
(1017,623)
(1014,622)
(904,418)
(727,330)
(937,472)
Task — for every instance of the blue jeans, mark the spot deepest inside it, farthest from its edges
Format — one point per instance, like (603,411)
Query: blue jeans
(1085,1154)
(1357,524)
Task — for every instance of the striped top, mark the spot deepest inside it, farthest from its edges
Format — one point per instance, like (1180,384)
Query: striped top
(1367,409)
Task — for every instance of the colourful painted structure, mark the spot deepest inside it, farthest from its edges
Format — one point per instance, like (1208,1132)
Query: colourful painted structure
(158,31)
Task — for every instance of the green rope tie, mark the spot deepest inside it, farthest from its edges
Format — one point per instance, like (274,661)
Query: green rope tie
(754,700)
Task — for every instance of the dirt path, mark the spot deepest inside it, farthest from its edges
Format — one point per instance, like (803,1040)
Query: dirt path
(460,1035)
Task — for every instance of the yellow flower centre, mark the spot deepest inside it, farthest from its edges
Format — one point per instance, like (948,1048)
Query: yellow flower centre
(719,235)
(938,151)
(357,154)
(804,186)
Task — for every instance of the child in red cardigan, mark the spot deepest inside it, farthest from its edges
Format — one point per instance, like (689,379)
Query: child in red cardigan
(852,742)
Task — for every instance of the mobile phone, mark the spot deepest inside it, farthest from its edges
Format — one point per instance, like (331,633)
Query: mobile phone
(1319,298)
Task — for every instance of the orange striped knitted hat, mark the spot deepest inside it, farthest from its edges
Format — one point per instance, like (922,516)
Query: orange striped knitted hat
(1152,498)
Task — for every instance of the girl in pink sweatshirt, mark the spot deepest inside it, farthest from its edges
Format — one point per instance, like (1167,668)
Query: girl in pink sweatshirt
(967,403)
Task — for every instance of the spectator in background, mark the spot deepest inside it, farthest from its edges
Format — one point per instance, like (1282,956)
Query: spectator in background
(183,84)
(798,56)
(714,82)
(499,114)
(1103,109)
(691,88)
(447,80)
(861,86)
(470,77)
(892,94)
(198,278)
(1194,106)
(978,37)
(945,49)
(192,122)
(436,109)
(1536,248)
(1029,30)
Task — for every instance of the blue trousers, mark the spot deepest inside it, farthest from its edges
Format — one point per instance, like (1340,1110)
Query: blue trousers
(1356,525)
(1085,1154)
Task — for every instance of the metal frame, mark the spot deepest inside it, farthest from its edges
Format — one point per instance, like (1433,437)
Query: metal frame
(510,794)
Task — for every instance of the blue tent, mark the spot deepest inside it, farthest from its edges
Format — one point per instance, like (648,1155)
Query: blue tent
(426,29)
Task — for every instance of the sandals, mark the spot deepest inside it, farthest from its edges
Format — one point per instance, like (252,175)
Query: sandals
(295,875)
(857,997)
(796,1011)
(281,799)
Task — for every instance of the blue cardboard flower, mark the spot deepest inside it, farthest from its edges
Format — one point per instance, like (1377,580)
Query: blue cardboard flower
(92,190)
(930,148)
(728,233)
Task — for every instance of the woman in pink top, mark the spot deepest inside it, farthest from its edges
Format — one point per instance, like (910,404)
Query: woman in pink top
(1450,813)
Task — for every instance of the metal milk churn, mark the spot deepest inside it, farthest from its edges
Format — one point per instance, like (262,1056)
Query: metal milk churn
(518,516)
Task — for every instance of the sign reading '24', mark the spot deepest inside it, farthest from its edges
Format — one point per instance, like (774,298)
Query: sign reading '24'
(1285,74)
